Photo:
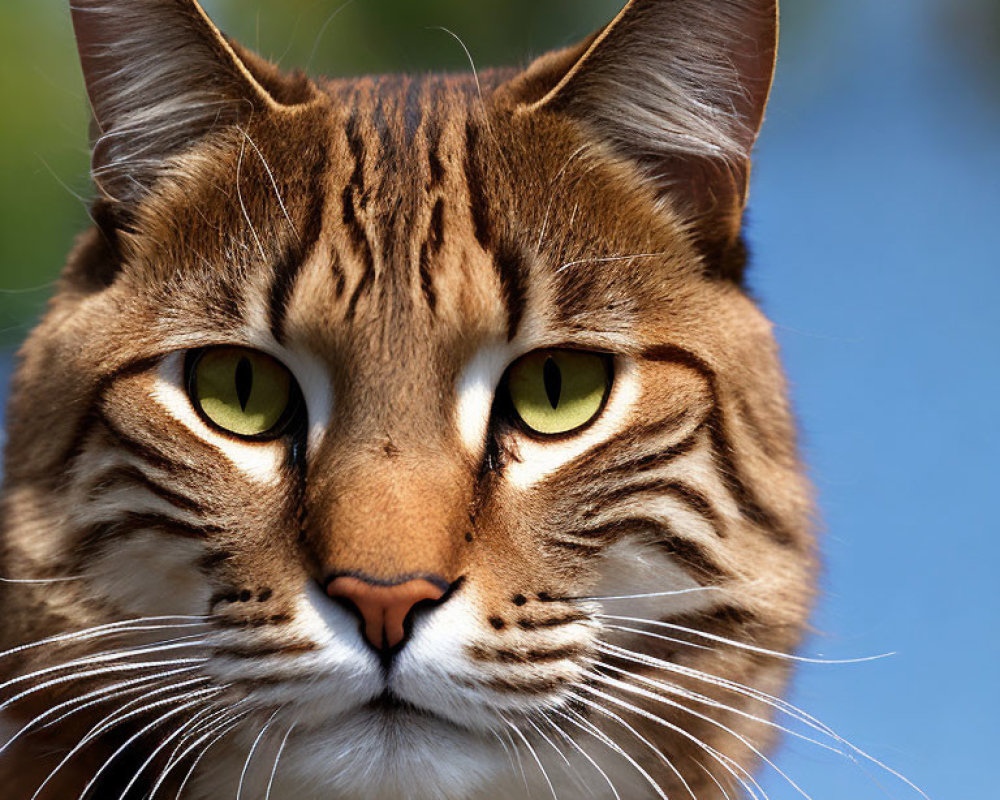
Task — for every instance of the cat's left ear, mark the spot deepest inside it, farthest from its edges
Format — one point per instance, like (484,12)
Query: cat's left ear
(161,77)
(679,87)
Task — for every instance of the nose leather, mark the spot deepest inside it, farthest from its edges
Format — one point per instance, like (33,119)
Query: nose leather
(384,609)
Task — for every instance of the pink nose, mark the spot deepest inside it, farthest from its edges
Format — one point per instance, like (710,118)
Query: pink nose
(384,609)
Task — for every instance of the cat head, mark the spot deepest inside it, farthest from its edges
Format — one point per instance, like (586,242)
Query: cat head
(434,405)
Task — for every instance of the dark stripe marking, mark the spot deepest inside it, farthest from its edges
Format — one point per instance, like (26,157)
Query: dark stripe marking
(747,501)
(532,656)
(511,269)
(477,193)
(133,475)
(286,273)
(528,624)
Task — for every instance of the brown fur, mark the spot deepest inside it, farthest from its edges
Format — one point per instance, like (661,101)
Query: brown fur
(391,227)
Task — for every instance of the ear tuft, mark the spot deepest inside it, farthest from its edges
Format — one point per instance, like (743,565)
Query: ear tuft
(160,77)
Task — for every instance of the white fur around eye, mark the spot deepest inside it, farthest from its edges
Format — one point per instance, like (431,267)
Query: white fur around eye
(539,458)
(313,380)
(259,461)
(475,391)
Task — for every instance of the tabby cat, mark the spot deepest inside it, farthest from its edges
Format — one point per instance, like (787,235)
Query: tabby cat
(406,437)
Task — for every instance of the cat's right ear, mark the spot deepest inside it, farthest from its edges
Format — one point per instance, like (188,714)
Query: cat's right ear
(161,77)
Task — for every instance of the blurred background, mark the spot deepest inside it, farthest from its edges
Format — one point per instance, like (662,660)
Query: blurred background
(874,220)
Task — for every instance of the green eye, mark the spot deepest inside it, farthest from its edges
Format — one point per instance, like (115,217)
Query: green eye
(241,391)
(559,391)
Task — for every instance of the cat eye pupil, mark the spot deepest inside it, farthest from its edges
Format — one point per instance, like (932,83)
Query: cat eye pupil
(244,381)
(558,392)
(243,392)
(552,376)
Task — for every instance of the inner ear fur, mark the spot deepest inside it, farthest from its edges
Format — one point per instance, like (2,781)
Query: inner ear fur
(160,77)
(679,87)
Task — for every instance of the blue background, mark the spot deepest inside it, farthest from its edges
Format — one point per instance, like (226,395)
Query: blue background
(874,219)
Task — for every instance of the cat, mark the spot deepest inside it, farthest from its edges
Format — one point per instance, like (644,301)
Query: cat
(406,437)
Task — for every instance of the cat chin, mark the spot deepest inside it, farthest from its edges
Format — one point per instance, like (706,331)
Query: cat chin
(370,754)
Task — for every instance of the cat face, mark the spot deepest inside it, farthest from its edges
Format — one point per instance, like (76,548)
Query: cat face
(426,417)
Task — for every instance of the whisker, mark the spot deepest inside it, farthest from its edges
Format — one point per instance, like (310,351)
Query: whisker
(113,719)
(102,695)
(227,729)
(534,755)
(712,777)
(607,260)
(243,205)
(777,703)
(192,722)
(745,646)
(584,724)
(646,595)
(203,721)
(675,728)
(274,183)
(253,749)
(193,699)
(108,628)
(110,670)
(661,637)
(700,698)
(277,759)
(572,742)
(659,754)
(520,765)
(551,744)
(627,687)
(205,730)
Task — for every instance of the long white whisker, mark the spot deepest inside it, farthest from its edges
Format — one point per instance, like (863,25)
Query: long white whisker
(520,764)
(192,722)
(712,777)
(659,636)
(744,645)
(506,749)
(572,742)
(105,629)
(777,703)
(243,205)
(660,755)
(253,749)
(551,744)
(646,595)
(277,759)
(109,670)
(627,687)
(204,722)
(670,726)
(206,729)
(228,728)
(534,755)
(102,695)
(193,699)
(116,717)
(584,724)
(705,700)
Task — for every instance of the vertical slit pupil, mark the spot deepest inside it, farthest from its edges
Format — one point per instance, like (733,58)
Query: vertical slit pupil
(552,376)
(244,381)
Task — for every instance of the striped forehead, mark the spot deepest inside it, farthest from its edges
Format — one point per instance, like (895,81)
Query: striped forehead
(403,245)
